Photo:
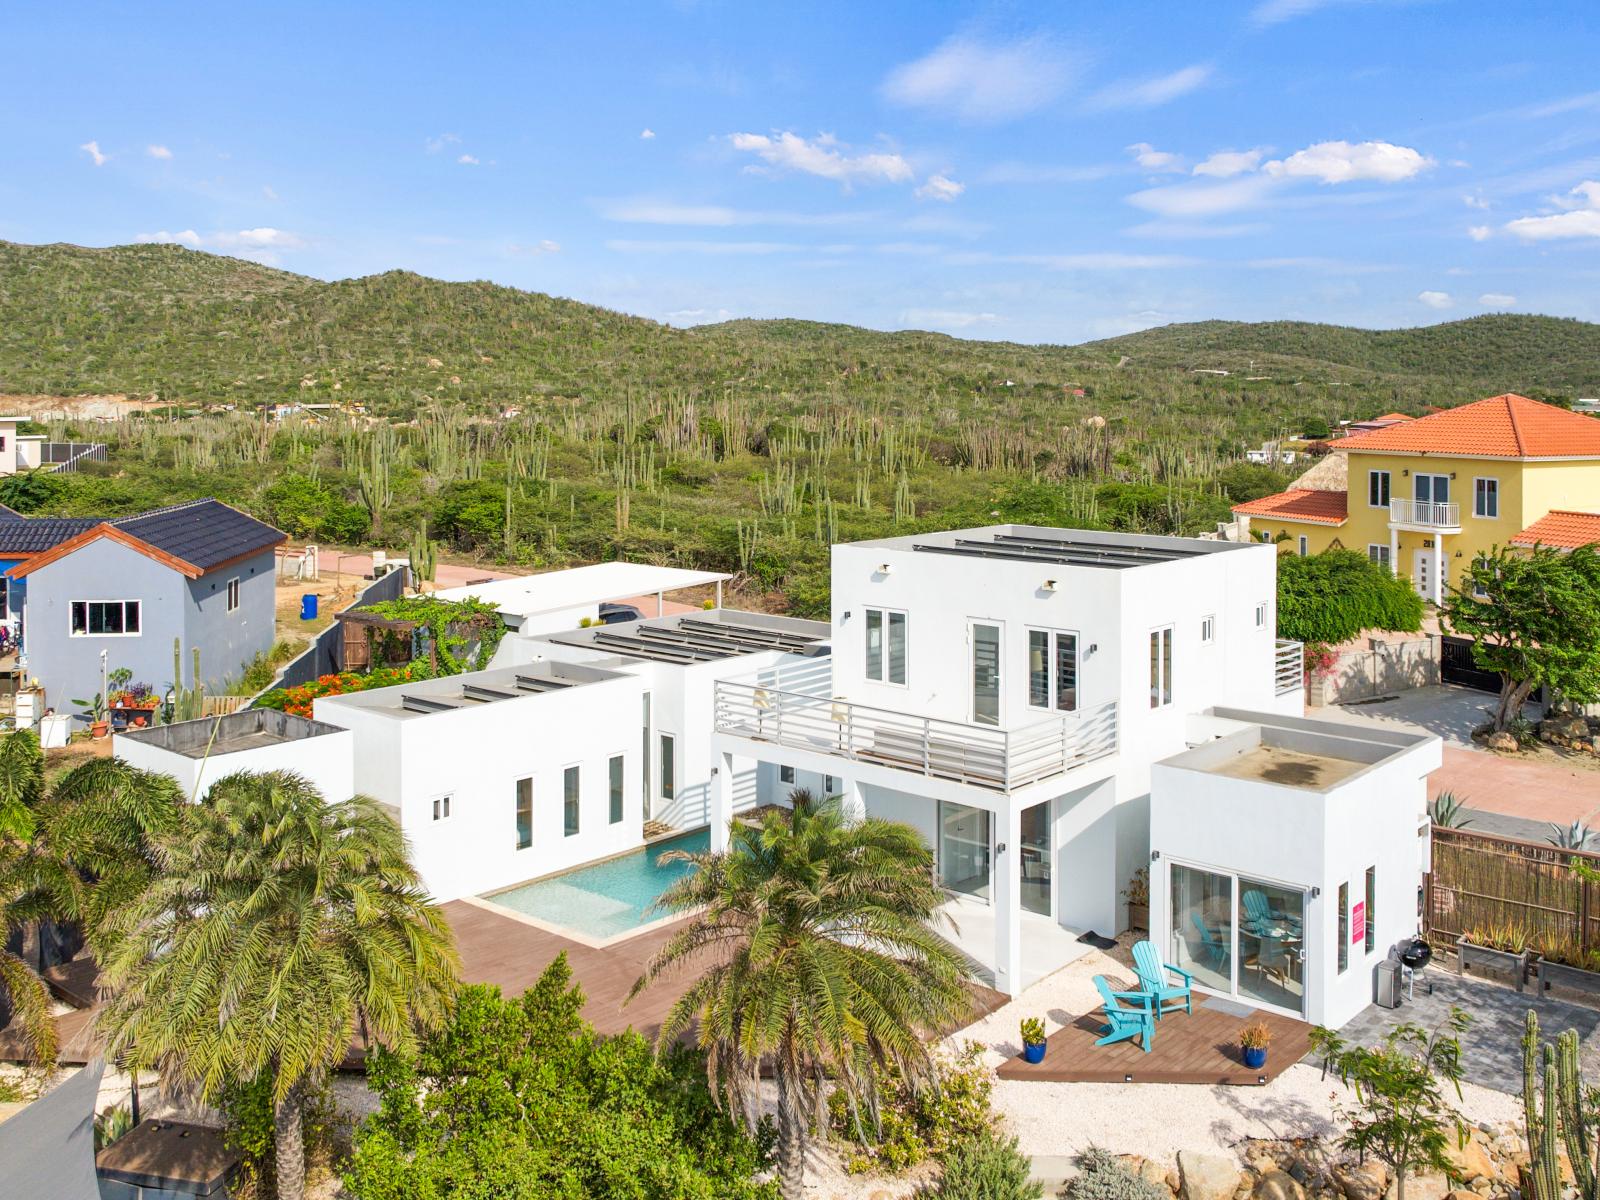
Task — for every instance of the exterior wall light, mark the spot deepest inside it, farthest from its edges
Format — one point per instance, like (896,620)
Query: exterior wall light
(1155,856)
(1049,585)
(884,568)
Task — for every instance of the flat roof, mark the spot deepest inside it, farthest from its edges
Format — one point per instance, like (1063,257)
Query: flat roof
(169,1154)
(246,729)
(552,591)
(1060,547)
(692,638)
(476,689)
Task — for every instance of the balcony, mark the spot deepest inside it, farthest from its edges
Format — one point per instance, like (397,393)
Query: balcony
(1288,668)
(1425,514)
(999,760)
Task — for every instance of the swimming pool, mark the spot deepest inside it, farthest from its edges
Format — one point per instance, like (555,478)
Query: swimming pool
(609,898)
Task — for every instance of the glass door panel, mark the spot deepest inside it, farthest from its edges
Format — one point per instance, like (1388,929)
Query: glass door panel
(1271,921)
(964,849)
(985,674)
(1036,856)
(1202,925)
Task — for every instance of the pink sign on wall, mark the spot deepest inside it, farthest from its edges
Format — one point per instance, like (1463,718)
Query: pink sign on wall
(1358,922)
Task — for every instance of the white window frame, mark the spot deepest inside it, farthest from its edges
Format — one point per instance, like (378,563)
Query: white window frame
(1161,667)
(1261,614)
(1477,496)
(1304,546)
(827,786)
(136,606)
(1378,552)
(1374,487)
(667,783)
(441,806)
(1052,697)
(878,671)
(785,773)
(1208,629)
(617,787)
(516,801)
(575,770)
(233,594)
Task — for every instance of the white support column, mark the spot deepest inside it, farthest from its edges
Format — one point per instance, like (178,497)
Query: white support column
(721,801)
(1008,901)
(1394,550)
(1438,568)
(851,803)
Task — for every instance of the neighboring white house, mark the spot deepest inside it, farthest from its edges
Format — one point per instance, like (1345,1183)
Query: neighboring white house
(198,753)
(556,600)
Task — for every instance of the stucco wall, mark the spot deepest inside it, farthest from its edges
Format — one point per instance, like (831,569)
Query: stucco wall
(327,760)
(229,640)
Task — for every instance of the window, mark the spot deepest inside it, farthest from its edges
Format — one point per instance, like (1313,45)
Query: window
(827,786)
(616,788)
(1261,615)
(1378,552)
(1486,498)
(569,801)
(886,645)
(105,618)
(233,595)
(1371,909)
(985,641)
(644,758)
(1378,489)
(441,808)
(1208,629)
(785,774)
(1344,928)
(524,813)
(1478,591)
(668,766)
(1305,546)
(1052,670)
(1160,667)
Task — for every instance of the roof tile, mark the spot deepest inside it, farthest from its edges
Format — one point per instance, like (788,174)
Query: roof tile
(1299,504)
(1562,527)
(1508,426)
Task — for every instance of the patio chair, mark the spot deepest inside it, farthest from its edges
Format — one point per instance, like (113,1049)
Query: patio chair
(1125,1022)
(1217,950)
(1164,983)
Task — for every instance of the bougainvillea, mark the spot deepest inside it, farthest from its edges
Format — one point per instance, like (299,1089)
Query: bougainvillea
(298,700)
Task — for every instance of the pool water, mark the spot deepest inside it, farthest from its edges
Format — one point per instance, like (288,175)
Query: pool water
(608,898)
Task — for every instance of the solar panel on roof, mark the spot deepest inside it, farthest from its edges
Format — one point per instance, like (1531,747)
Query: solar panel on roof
(428,704)
(1042,548)
(542,683)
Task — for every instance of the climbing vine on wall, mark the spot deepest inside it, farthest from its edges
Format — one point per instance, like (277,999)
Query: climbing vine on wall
(453,627)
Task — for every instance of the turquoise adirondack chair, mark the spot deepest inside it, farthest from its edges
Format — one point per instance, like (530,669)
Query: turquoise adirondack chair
(1165,984)
(1216,949)
(1125,1022)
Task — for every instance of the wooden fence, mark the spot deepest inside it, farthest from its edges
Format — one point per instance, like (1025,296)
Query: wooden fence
(1482,881)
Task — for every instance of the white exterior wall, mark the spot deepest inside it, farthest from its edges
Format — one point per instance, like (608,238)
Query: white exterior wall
(327,761)
(8,446)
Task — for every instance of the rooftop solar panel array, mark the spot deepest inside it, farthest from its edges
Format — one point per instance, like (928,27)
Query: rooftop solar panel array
(1072,552)
(692,640)
(478,693)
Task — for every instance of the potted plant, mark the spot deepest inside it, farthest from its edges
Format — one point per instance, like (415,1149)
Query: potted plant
(1254,1039)
(1033,1042)
(130,704)
(1137,894)
(94,712)
(1499,947)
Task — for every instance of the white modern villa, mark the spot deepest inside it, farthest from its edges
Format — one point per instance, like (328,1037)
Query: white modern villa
(1053,710)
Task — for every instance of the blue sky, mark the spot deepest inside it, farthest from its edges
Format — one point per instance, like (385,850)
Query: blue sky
(1042,173)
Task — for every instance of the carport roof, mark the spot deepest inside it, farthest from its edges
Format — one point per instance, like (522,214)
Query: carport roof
(552,591)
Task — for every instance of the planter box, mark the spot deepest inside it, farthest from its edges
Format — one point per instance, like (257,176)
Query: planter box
(1563,975)
(1513,962)
(1138,916)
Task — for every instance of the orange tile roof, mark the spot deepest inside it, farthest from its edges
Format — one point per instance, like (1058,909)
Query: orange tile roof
(1299,504)
(1508,426)
(1562,527)
(1396,417)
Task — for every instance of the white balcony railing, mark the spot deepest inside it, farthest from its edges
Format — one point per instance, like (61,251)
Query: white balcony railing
(998,759)
(1425,512)
(1289,667)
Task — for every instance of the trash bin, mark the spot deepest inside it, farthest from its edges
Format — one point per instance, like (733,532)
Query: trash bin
(1388,984)
(308,607)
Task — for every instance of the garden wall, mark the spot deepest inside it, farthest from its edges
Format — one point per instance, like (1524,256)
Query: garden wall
(1480,881)
(325,655)
(1379,668)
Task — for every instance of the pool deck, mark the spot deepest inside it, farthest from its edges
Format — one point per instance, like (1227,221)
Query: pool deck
(497,949)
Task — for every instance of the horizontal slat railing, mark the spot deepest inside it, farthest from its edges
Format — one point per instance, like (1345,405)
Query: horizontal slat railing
(1289,667)
(1425,512)
(996,759)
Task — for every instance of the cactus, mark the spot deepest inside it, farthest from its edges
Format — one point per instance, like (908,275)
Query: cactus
(424,556)
(188,703)
(1565,1120)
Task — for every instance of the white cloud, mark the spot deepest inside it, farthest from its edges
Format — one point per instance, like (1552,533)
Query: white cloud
(1479,233)
(943,318)
(1475,202)
(1185,230)
(1345,162)
(158,152)
(976,80)
(444,141)
(1204,199)
(1149,93)
(187,237)
(822,156)
(1497,300)
(1435,299)
(940,187)
(1274,12)
(646,134)
(1225,164)
(92,149)
(698,316)
(1581,218)
(546,246)
(623,246)
(1021,172)
(467,160)
(1077,262)
(266,190)
(1151,159)
(655,212)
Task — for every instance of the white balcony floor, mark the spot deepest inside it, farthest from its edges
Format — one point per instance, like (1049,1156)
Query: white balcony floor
(1046,946)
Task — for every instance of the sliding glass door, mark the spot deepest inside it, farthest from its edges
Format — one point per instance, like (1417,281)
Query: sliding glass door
(1272,943)
(1239,936)
(1036,874)
(985,638)
(1202,926)
(964,849)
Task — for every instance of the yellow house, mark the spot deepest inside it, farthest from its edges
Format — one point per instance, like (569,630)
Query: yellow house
(1425,497)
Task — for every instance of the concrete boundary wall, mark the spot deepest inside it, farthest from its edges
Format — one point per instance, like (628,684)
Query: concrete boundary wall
(1381,668)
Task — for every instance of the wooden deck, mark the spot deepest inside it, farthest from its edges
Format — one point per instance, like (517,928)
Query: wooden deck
(1199,1047)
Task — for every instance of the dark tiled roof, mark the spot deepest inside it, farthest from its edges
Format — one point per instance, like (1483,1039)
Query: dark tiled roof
(9,514)
(205,533)
(35,535)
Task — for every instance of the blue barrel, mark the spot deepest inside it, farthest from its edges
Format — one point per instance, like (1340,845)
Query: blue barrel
(308,607)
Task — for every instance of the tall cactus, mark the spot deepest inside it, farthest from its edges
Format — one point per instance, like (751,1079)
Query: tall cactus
(1564,1121)
(424,556)
(188,703)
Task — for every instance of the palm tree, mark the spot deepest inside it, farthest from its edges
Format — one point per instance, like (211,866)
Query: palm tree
(69,854)
(814,949)
(278,924)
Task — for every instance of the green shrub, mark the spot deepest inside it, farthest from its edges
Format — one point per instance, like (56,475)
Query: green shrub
(1331,597)
(913,1123)
(1101,1176)
(985,1167)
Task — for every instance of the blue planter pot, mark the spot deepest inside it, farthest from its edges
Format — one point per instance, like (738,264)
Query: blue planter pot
(1033,1052)
(1255,1059)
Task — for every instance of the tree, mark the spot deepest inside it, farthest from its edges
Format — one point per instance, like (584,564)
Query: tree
(813,947)
(1315,428)
(69,855)
(1400,1115)
(279,924)
(1246,481)
(1532,615)
(609,1119)
(1331,597)
(30,491)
